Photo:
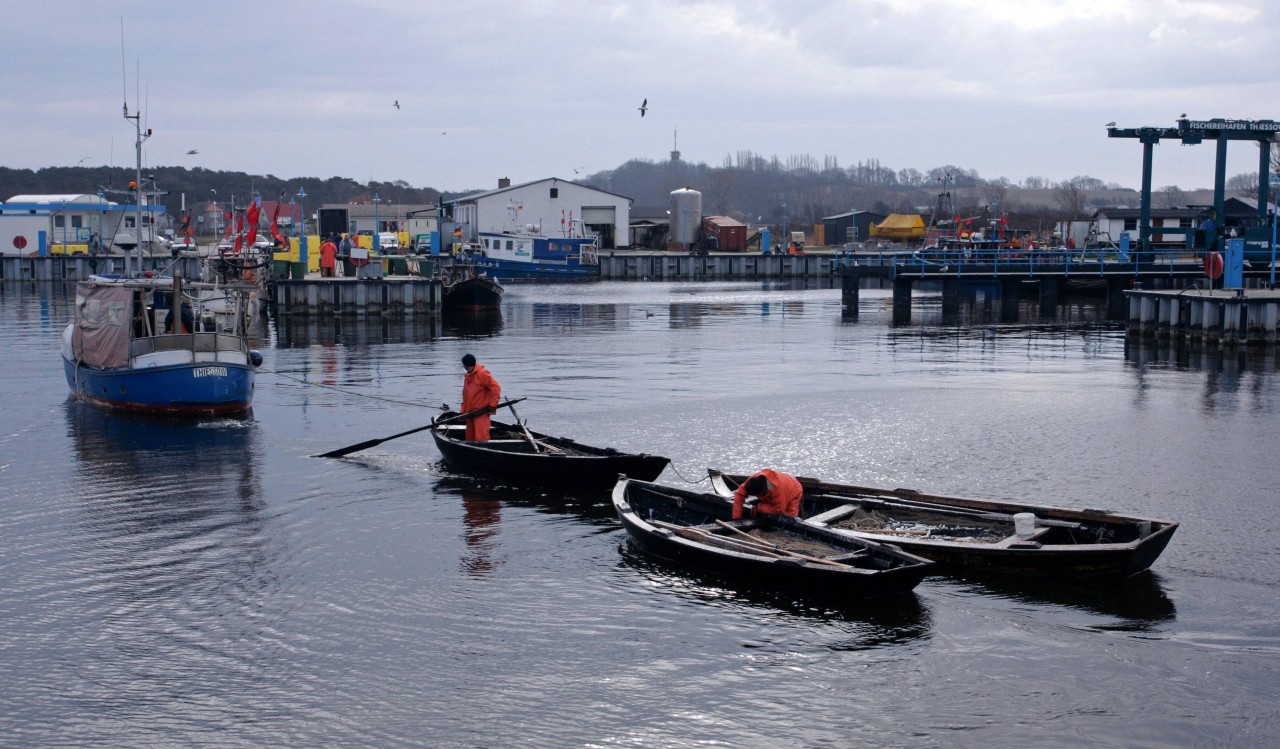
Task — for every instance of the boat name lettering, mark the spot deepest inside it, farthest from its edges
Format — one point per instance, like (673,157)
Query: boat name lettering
(209,372)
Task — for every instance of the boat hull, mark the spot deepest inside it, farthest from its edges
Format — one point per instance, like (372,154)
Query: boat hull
(475,293)
(567,463)
(532,270)
(1121,545)
(196,388)
(639,508)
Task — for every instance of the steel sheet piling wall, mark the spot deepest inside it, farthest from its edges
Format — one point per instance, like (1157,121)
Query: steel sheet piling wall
(327,297)
(1223,317)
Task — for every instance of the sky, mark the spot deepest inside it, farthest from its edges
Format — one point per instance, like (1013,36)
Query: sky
(552,88)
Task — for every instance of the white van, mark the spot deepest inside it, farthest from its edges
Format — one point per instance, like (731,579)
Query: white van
(388,243)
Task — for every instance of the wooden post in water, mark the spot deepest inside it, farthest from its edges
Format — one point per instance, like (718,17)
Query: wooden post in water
(849,294)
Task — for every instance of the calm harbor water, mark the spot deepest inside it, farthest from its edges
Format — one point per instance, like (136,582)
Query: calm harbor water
(210,584)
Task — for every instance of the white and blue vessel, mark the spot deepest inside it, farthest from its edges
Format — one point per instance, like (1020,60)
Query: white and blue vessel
(527,256)
(124,350)
(141,342)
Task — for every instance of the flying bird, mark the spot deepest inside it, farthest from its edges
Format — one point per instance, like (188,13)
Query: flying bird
(397,103)
(644,105)
(579,169)
(192,152)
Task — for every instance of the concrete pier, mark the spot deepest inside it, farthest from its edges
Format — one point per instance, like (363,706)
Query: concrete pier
(1227,317)
(662,266)
(396,296)
(58,268)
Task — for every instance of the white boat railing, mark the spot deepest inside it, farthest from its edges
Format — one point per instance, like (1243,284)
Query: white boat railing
(201,342)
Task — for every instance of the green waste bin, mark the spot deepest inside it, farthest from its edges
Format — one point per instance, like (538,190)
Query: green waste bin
(397,265)
(426,266)
(280,268)
(298,270)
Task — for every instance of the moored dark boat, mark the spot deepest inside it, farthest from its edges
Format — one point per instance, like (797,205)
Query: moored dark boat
(514,453)
(695,531)
(982,535)
(472,292)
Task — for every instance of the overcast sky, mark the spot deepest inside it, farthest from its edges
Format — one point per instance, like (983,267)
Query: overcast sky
(551,88)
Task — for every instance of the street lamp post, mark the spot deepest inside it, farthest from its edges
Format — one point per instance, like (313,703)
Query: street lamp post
(64,226)
(302,227)
(786,238)
(1275,208)
(377,230)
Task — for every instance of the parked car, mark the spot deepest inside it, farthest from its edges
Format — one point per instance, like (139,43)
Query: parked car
(183,244)
(388,243)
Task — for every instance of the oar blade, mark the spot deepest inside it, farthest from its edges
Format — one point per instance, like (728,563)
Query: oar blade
(340,452)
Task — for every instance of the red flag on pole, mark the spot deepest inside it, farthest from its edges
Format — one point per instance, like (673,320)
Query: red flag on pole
(252,220)
(239,234)
(275,227)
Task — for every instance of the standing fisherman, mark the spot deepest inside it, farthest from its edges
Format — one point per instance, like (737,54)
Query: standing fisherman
(479,390)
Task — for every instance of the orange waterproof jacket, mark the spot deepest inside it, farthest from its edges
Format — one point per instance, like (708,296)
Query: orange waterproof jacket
(327,251)
(782,497)
(479,389)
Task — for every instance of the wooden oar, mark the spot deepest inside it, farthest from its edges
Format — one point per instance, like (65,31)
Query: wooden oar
(370,443)
(776,548)
(694,534)
(537,448)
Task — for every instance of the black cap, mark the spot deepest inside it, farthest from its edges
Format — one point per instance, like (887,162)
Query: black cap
(468,360)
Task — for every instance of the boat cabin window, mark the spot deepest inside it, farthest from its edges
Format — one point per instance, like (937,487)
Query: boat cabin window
(510,244)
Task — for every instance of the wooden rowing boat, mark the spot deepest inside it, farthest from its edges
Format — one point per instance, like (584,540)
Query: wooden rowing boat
(515,453)
(980,535)
(695,531)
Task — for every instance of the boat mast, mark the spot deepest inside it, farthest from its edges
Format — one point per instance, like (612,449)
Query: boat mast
(138,139)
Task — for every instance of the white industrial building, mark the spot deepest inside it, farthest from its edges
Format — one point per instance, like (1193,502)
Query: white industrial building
(551,207)
(37,225)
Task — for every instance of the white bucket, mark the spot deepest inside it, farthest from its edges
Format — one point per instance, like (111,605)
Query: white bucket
(1024,524)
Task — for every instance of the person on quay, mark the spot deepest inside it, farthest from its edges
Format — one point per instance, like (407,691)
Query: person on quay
(328,251)
(479,390)
(777,493)
(344,247)
(360,260)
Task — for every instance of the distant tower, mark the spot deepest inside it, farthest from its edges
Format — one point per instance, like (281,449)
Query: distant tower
(675,145)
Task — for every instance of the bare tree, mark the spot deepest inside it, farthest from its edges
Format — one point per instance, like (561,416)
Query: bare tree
(721,186)
(1171,196)
(1243,185)
(1072,196)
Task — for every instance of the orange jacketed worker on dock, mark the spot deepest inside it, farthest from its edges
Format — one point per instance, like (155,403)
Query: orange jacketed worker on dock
(779,494)
(479,390)
(327,252)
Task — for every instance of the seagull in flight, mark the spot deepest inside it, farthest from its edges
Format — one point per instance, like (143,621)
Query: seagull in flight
(397,103)
(192,152)
(579,169)
(644,105)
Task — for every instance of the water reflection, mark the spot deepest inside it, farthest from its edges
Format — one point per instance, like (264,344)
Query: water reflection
(1183,354)
(881,621)
(1135,604)
(472,323)
(170,508)
(301,332)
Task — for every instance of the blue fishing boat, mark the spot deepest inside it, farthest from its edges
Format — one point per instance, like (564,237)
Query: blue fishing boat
(143,341)
(526,256)
(123,349)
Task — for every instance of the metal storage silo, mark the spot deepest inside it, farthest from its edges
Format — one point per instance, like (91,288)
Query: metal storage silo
(686,218)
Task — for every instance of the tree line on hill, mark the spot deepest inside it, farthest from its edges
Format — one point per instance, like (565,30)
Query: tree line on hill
(745,186)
